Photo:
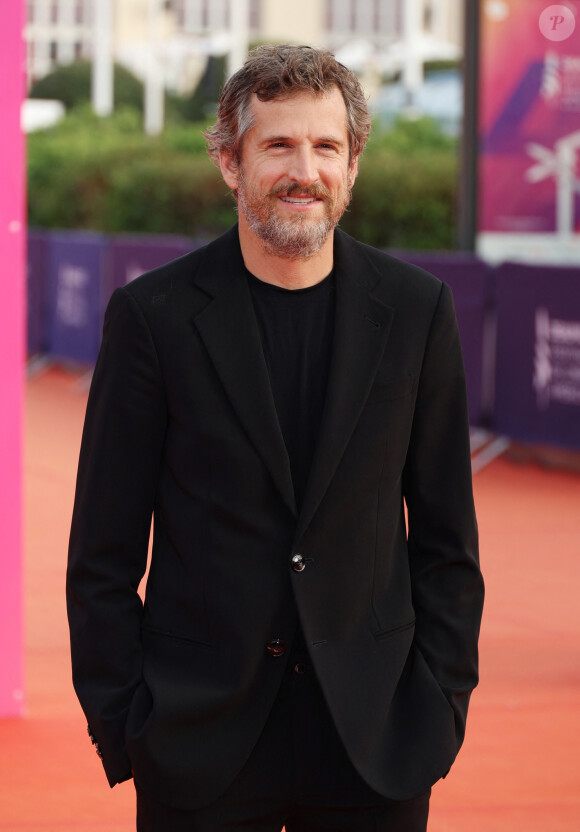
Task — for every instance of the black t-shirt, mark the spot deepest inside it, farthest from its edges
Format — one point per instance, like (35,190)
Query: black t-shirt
(297,327)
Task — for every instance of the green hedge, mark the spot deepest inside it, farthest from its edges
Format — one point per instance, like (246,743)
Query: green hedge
(104,174)
(404,202)
(71,84)
(405,193)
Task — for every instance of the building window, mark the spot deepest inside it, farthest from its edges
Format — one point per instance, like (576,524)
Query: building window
(344,16)
(79,12)
(179,14)
(53,51)
(328,17)
(399,20)
(254,14)
(78,50)
(54,12)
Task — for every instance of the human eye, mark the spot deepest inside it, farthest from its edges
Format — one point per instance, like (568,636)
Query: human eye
(327,147)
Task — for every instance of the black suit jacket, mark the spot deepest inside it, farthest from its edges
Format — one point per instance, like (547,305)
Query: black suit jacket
(181,424)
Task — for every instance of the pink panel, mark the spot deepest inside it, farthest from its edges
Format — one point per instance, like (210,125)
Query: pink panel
(529,117)
(12,356)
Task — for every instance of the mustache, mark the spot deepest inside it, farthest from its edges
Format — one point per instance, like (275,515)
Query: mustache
(317,190)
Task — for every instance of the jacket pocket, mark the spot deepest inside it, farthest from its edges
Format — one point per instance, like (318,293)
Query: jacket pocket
(177,637)
(393,631)
(140,712)
(386,391)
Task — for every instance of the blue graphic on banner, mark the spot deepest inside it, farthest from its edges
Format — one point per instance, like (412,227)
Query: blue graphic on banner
(75,302)
(504,136)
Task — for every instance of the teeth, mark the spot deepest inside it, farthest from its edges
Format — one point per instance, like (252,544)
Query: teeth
(299,201)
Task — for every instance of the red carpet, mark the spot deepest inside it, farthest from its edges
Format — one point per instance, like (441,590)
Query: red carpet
(520,767)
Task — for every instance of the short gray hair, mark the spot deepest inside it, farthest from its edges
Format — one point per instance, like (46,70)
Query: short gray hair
(275,71)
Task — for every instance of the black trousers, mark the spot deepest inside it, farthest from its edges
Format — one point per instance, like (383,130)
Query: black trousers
(298,776)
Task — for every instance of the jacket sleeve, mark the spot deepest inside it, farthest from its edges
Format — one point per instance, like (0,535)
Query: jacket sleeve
(115,494)
(446,580)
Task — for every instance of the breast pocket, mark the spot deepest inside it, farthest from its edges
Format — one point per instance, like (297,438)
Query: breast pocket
(383,391)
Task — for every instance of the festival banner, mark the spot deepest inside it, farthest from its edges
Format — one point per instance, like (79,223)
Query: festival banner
(538,354)
(529,131)
(132,255)
(77,263)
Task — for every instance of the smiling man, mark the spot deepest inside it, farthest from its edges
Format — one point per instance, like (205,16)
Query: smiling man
(304,655)
(294,183)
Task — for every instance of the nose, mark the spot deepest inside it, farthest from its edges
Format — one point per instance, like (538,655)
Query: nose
(303,168)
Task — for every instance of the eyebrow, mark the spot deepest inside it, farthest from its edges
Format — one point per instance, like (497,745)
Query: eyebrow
(328,139)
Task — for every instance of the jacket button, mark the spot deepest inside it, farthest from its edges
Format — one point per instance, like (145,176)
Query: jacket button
(276,647)
(298,563)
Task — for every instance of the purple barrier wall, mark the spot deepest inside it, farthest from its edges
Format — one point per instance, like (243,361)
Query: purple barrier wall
(469,279)
(77,263)
(37,286)
(537,377)
(538,354)
(131,256)
(71,275)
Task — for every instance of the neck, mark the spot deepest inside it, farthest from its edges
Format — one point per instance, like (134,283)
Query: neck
(280,271)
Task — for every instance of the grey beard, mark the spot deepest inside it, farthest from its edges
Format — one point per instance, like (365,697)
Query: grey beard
(292,239)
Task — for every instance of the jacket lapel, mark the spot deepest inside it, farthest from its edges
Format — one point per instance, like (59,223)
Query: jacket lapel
(228,328)
(230,333)
(362,326)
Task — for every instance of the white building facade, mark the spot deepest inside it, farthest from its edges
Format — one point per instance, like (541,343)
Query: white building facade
(61,31)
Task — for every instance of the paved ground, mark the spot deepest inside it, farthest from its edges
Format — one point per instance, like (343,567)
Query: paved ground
(519,769)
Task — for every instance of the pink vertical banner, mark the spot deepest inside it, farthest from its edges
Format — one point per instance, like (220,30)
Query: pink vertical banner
(529,170)
(12,357)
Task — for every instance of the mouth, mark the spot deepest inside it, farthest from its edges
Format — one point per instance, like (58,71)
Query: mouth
(299,200)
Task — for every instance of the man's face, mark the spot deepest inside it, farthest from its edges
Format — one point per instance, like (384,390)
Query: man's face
(294,179)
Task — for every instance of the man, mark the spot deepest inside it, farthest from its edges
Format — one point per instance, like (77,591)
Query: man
(273,400)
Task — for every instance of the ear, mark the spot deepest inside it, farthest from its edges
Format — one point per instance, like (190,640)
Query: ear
(352,172)
(230,170)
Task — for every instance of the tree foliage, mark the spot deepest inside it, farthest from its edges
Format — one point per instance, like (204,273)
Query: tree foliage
(104,174)
(71,84)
